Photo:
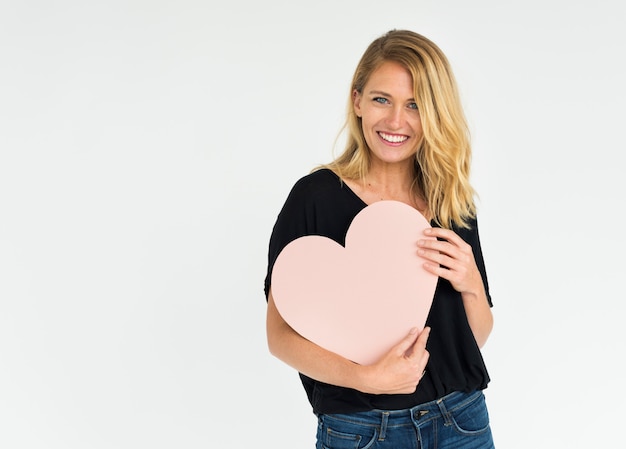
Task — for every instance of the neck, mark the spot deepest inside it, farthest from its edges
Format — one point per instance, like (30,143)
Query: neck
(393,183)
(389,181)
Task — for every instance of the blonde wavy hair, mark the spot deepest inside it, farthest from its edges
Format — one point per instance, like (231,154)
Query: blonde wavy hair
(442,160)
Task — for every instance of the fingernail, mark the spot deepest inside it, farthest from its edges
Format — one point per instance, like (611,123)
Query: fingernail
(428,231)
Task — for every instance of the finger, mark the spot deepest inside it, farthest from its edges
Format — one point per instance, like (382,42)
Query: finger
(453,276)
(434,248)
(407,342)
(440,258)
(451,244)
(424,361)
(445,234)
(419,347)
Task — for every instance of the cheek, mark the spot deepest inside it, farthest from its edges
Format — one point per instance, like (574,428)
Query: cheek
(366,124)
(368,132)
(417,127)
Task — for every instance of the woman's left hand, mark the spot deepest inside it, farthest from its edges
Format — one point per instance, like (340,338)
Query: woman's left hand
(452,259)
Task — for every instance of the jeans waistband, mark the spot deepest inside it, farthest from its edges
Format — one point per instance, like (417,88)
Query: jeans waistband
(419,414)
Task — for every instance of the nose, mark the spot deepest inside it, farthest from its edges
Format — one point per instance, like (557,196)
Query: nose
(395,116)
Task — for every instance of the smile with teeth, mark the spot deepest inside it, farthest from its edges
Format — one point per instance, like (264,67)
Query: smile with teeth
(392,138)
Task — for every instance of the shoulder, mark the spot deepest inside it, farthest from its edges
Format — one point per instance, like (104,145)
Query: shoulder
(321,178)
(315,185)
(469,233)
(321,204)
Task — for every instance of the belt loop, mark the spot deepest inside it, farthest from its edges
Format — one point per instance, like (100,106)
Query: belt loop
(444,412)
(383,426)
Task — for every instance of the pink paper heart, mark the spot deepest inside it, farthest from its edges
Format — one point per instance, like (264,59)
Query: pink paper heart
(360,300)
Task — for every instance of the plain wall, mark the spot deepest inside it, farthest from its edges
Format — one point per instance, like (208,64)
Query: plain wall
(146,148)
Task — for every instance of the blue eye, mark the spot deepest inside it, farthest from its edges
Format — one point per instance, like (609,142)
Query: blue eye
(413,106)
(381,100)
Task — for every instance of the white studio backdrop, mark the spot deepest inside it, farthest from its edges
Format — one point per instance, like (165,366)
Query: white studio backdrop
(147,147)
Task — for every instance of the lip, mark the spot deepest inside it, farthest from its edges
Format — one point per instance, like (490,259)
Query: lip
(397,139)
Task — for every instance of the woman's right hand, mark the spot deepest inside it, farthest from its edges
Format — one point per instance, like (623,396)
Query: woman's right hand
(397,372)
(400,370)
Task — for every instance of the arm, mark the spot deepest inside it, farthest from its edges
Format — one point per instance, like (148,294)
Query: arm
(399,371)
(453,260)
(478,313)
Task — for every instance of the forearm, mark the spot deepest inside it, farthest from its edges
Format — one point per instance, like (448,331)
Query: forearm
(308,358)
(478,314)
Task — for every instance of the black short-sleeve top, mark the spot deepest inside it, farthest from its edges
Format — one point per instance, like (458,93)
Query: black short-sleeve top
(320,204)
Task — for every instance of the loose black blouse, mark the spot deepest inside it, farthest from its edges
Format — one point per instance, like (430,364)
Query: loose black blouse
(320,204)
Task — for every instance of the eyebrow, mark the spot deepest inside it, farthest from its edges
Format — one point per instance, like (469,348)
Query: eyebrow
(379,92)
(385,94)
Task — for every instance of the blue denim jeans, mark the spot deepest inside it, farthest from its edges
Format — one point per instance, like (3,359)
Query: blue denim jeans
(458,420)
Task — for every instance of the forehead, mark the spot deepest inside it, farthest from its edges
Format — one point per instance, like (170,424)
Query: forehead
(391,76)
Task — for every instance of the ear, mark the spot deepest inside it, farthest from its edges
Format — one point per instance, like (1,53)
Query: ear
(356,102)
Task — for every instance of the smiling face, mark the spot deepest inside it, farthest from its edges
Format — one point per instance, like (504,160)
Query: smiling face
(389,116)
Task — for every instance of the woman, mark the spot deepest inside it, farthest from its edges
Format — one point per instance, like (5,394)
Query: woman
(407,141)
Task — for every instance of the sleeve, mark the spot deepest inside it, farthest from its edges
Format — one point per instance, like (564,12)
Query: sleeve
(474,241)
(294,220)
